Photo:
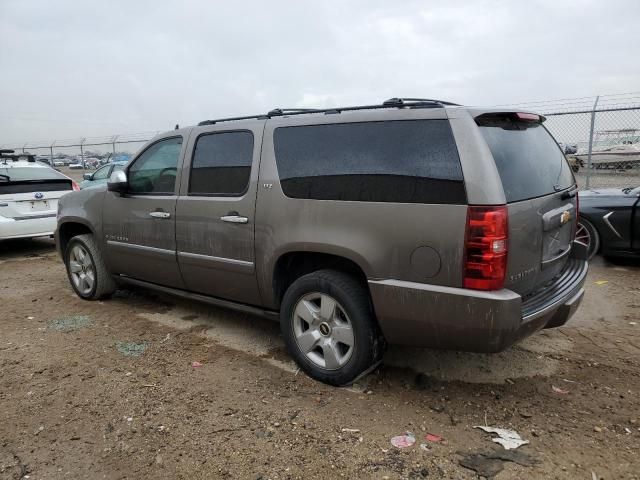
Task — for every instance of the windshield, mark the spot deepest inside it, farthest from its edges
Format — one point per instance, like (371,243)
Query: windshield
(528,159)
(29,174)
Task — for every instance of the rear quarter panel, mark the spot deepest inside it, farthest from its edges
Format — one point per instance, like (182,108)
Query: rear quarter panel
(379,237)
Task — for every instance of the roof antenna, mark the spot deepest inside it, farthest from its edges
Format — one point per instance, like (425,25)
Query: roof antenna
(177,127)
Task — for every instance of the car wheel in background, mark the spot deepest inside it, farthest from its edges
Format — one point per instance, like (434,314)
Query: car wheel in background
(86,269)
(329,327)
(587,234)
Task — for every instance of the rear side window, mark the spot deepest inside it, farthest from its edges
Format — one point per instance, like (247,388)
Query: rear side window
(528,159)
(409,161)
(221,164)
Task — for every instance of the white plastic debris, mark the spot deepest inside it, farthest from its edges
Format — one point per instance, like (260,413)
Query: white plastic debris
(509,439)
(403,441)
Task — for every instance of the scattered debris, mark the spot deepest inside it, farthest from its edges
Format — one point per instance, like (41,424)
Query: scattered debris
(403,441)
(131,349)
(70,323)
(559,390)
(601,282)
(597,429)
(432,437)
(30,318)
(425,447)
(196,364)
(350,430)
(509,439)
(633,323)
(483,466)
(489,464)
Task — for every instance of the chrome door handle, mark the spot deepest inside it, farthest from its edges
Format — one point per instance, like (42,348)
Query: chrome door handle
(234,219)
(160,214)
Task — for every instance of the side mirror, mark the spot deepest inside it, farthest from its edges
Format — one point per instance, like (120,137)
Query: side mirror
(88,176)
(118,182)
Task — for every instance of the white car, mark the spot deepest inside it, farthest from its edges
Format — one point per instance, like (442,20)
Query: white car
(29,193)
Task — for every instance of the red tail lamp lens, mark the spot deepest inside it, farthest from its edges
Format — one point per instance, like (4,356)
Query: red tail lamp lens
(486,248)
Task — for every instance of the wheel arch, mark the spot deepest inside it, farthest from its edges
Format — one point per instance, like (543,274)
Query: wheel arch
(69,229)
(293,264)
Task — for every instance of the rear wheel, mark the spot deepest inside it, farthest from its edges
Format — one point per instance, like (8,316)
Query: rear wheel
(588,235)
(329,327)
(86,269)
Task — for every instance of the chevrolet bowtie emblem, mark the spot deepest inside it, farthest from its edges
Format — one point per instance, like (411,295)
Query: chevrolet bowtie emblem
(565,217)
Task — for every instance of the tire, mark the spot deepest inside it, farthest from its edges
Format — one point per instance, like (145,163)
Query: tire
(319,342)
(83,253)
(588,235)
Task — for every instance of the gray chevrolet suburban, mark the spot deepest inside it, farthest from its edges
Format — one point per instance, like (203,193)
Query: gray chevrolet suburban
(415,222)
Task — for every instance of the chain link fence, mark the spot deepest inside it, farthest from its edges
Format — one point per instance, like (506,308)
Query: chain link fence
(84,153)
(599,135)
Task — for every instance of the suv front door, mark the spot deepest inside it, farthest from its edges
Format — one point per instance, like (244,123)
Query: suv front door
(139,226)
(215,222)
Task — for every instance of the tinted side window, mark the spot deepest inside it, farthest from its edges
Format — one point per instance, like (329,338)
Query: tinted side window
(221,164)
(155,170)
(411,161)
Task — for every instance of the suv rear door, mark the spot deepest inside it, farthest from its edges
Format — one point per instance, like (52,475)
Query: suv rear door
(540,193)
(139,226)
(215,215)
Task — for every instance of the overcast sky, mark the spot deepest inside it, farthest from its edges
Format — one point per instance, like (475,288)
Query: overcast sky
(74,68)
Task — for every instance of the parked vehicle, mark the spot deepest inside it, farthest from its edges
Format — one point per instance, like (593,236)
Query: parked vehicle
(29,194)
(75,166)
(100,176)
(414,222)
(609,221)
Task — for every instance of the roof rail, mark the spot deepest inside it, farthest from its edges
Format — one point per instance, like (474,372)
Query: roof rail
(407,102)
(391,103)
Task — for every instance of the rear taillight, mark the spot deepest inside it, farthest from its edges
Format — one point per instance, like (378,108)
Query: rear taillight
(76,187)
(485,262)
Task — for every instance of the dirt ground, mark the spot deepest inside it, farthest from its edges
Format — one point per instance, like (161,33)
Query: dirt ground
(108,390)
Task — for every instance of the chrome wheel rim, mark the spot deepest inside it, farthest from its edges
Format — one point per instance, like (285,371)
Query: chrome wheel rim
(323,331)
(82,269)
(582,235)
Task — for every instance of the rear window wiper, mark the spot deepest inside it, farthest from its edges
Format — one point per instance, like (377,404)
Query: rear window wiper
(569,193)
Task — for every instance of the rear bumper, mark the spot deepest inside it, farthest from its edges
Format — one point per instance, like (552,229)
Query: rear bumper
(460,319)
(27,228)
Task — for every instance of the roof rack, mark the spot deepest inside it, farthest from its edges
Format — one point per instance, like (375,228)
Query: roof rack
(390,103)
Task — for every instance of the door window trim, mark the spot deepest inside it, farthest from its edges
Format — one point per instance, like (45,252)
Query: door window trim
(193,154)
(178,167)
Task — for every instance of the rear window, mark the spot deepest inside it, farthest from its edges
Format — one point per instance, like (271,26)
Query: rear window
(22,174)
(528,159)
(410,161)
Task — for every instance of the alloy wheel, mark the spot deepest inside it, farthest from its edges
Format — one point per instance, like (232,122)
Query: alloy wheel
(323,331)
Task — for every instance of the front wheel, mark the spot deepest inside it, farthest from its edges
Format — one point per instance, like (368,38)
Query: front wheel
(86,269)
(588,235)
(329,327)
